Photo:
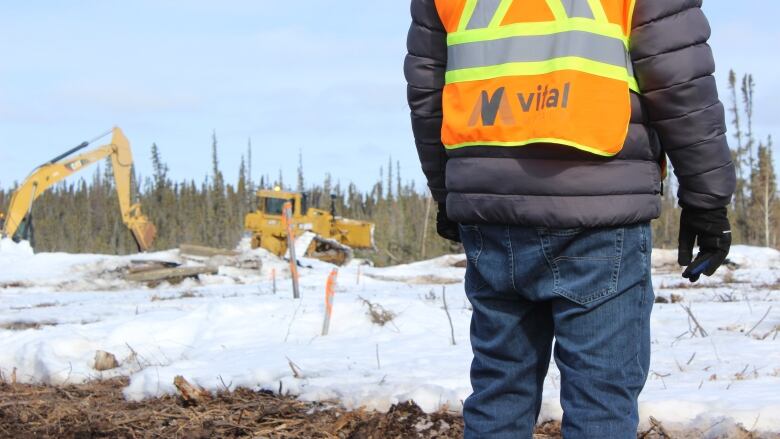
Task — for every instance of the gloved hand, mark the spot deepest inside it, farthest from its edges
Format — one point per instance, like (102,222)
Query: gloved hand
(444,227)
(712,231)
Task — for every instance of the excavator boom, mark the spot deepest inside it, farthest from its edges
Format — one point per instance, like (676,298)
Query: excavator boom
(63,166)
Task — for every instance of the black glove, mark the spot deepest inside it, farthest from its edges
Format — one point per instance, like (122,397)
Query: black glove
(444,227)
(711,229)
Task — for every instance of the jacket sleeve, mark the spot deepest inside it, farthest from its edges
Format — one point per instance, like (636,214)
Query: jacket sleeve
(674,65)
(424,68)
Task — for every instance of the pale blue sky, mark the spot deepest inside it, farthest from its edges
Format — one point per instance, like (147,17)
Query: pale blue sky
(321,76)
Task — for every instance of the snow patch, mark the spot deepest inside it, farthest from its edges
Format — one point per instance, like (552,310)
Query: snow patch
(9,248)
(231,329)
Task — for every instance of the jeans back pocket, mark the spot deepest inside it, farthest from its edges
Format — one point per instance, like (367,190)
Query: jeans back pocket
(585,262)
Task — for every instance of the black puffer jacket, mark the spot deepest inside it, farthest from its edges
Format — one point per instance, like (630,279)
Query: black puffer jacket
(678,114)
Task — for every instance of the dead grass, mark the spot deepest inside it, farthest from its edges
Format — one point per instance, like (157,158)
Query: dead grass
(98,410)
(40,305)
(378,314)
(775,286)
(426,279)
(184,295)
(24,325)
(46,305)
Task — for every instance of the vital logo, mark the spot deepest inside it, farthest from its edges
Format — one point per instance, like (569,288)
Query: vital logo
(490,108)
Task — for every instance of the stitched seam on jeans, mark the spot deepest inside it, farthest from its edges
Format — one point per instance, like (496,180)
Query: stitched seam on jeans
(469,281)
(474,230)
(481,245)
(511,259)
(641,315)
(621,237)
(545,252)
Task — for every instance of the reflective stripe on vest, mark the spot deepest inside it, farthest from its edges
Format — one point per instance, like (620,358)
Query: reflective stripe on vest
(537,71)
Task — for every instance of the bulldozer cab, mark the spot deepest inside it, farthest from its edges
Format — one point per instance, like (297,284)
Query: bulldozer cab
(271,202)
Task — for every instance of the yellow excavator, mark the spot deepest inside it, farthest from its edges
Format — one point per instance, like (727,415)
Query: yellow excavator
(17,224)
(319,234)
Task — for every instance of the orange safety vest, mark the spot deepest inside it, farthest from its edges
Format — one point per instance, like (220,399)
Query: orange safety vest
(537,71)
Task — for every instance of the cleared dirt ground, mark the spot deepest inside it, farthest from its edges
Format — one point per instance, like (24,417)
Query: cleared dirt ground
(98,410)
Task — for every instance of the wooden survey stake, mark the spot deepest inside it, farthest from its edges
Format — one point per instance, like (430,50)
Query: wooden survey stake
(287,216)
(330,293)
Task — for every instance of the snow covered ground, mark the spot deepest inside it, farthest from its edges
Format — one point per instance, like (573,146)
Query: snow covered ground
(230,330)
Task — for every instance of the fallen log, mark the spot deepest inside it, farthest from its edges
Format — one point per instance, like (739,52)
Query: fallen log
(170,274)
(205,252)
(144,266)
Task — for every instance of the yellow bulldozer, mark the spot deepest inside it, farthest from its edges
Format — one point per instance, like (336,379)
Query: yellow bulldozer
(17,224)
(319,234)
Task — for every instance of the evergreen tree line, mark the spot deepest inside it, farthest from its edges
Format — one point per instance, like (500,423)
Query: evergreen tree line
(82,216)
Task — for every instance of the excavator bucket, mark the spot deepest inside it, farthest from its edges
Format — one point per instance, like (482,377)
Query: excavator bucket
(144,233)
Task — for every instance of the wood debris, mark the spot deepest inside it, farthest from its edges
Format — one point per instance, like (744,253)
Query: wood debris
(105,361)
(173,275)
(189,392)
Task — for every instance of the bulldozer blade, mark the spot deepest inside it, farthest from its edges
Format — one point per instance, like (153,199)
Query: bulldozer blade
(329,250)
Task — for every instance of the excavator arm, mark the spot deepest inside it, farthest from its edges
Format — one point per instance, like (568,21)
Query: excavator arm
(63,166)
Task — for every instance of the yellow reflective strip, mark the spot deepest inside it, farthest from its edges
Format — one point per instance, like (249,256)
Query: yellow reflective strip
(468,11)
(556,6)
(503,8)
(543,28)
(598,11)
(539,68)
(533,141)
(633,85)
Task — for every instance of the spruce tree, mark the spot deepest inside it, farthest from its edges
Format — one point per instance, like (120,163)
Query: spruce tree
(390,178)
(159,169)
(300,186)
(763,192)
(739,211)
(249,175)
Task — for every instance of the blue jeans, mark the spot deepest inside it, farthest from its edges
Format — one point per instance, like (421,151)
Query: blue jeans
(591,290)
